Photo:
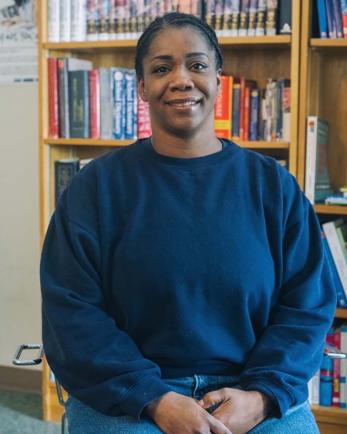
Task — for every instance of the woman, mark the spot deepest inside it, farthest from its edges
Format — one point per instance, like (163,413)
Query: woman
(184,283)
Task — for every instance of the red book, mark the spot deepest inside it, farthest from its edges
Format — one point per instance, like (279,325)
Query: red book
(223,108)
(143,119)
(243,117)
(94,104)
(336,370)
(53,116)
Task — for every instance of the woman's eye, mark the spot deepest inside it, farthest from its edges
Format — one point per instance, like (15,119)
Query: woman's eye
(198,66)
(160,69)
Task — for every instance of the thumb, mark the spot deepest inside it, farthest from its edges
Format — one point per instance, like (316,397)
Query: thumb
(212,398)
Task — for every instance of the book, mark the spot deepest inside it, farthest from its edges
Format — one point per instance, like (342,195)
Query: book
(331,24)
(65,20)
(285,17)
(104,7)
(106,105)
(244,12)
(236,109)
(119,102)
(314,388)
(322,18)
(53,105)
(261,13)
(131,104)
(252,18)
(143,119)
(271,17)
(227,19)
(235,6)
(79,103)
(343,374)
(317,179)
(338,18)
(344,17)
(223,108)
(336,199)
(245,87)
(94,104)
(326,382)
(53,21)
(92,18)
(78,29)
(336,249)
(286,110)
(254,114)
(340,292)
(64,171)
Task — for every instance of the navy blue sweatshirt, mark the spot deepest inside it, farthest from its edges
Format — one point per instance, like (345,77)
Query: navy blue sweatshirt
(158,267)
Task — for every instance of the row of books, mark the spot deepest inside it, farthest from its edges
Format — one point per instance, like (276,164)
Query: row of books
(332,18)
(94,103)
(80,20)
(334,236)
(328,387)
(245,112)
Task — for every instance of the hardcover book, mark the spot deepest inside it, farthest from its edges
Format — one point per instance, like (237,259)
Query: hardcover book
(64,171)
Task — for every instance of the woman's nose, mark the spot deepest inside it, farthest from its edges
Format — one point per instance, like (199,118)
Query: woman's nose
(181,80)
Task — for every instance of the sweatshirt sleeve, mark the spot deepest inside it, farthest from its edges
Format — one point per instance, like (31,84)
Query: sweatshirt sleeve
(290,348)
(92,358)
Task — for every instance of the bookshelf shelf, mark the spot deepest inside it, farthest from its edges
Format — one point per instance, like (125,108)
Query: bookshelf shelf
(327,414)
(341,313)
(331,209)
(131,43)
(328,43)
(261,144)
(87,142)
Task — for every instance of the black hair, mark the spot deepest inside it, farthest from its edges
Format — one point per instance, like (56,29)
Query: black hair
(175,19)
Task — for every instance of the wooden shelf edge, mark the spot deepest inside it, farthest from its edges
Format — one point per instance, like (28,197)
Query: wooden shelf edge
(131,43)
(115,143)
(341,313)
(330,414)
(318,42)
(331,209)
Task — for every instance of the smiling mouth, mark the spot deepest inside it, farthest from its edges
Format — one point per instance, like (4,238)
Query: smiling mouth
(183,103)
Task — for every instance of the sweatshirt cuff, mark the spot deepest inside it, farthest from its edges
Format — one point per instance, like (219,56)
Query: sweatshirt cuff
(141,394)
(280,398)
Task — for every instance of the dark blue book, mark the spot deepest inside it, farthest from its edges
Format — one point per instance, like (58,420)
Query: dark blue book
(119,104)
(64,171)
(255,113)
(322,18)
(284,25)
(79,104)
(338,18)
(331,19)
(326,382)
(341,295)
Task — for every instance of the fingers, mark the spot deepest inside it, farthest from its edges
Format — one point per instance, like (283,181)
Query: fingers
(218,427)
(213,398)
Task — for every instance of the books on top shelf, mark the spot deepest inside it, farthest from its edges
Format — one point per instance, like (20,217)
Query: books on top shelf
(245,112)
(317,179)
(332,18)
(92,20)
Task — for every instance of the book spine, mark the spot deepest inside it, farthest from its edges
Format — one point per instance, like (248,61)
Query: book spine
(336,252)
(244,11)
(143,119)
(242,108)
(130,91)
(314,388)
(255,107)
(222,109)
(336,370)
(236,110)
(344,17)
(64,171)
(247,108)
(118,104)
(286,110)
(78,20)
(252,18)
(106,92)
(227,18)
(94,103)
(343,376)
(271,17)
(330,19)
(311,151)
(285,17)
(65,21)
(338,18)
(92,17)
(53,115)
(261,14)
(219,13)
(53,20)
(326,382)
(104,18)
(235,17)
(63,87)
(322,18)
(79,104)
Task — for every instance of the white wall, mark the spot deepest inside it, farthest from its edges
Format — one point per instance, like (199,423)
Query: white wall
(20,316)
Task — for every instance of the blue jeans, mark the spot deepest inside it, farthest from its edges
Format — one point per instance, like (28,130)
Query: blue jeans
(84,420)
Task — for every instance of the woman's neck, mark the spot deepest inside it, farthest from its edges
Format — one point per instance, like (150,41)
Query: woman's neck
(173,145)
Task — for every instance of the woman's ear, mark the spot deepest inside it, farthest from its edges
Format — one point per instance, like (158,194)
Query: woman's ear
(218,77)
(141,89)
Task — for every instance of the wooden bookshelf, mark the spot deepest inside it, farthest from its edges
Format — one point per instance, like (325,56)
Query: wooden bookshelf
(323,86)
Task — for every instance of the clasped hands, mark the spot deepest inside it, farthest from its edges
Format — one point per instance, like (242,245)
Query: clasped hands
(237,412)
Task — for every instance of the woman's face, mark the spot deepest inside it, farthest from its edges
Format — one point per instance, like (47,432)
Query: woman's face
(180,81)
